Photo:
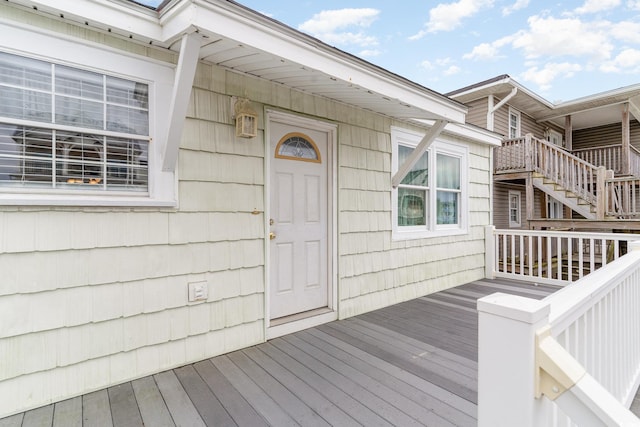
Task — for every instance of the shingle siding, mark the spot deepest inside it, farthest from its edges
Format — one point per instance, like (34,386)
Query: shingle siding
(104,290)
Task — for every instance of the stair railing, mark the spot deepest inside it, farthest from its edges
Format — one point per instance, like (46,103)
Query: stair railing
(624,198)
(567,171)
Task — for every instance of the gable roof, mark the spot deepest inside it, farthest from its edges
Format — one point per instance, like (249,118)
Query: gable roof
(242,40)
(589,111)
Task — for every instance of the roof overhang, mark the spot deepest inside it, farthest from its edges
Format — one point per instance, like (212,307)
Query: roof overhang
(242,40)
(591,111)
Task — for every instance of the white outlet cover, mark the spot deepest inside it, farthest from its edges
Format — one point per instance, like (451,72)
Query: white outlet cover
(198,291)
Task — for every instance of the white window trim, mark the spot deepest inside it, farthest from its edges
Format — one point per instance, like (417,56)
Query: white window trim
(439,146)
(558,135)
(38,44)
(514,112)
(559,207)
(517,194)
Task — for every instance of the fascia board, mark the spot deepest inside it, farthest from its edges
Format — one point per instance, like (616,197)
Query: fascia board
(119,15)
(492,87)
(225,20)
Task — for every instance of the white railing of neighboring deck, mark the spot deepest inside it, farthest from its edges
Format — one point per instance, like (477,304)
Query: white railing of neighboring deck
(572,358)
(551,257)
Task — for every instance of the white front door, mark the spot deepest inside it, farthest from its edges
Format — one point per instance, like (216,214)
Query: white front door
(298,232)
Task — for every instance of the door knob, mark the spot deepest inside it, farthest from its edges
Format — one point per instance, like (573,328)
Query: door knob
(272,235)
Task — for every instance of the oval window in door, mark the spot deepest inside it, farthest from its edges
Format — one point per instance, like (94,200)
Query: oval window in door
(297,146)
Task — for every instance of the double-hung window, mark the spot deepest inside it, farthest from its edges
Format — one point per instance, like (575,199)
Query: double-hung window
(515,198)
(88,135)
(431,199)
(514,123)
(64,128)
(554,208)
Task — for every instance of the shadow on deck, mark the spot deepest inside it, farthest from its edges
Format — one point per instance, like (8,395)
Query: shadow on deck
(414,363)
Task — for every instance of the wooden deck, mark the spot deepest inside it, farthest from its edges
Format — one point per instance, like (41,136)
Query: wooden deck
(413,363)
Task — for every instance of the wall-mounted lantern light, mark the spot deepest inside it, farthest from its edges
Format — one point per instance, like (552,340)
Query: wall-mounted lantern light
(246,119)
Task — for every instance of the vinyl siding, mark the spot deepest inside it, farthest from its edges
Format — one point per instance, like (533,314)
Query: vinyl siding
(501,205)
(605,135)
(92,297)
(527,124)
(478,112)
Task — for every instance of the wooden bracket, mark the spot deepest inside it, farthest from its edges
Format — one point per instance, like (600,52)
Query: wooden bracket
(405,168)
(556,370)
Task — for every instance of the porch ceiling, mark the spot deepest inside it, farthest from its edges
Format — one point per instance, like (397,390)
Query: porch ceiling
(244,59)
(245,41)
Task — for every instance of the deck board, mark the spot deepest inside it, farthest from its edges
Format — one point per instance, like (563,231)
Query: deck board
(388,414)
(41,417)
(252,393)
(238,408)
(182,410)
(343,401)
(12,421)
(207,405)
(96,411)
(124,406)
(413,363)
(68,413)
(153,410)
(406,386)
(379,386)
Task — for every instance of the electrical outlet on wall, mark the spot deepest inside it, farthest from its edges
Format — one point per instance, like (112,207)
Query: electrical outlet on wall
(198,291)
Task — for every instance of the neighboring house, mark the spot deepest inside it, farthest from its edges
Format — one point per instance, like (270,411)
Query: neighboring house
(181,183)
(558,178)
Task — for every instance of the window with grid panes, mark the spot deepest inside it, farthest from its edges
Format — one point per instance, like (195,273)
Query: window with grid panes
(68,129)
(514,208)
(431,199)
(514,123)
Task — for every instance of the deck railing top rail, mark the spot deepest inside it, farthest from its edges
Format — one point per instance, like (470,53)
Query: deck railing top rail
(581,342)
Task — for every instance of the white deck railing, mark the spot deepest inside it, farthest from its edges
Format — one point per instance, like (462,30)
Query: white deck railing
(572,358)
(551,257)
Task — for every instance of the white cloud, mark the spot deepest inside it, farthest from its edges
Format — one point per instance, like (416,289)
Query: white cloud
(545,76)
(626,31)
(627,61)
(592,6)
(451,70)
(368,53)
(483,51)
(449,16)
(444,66)
(427,65)
(343,39)
(551,37)
(443,62)
(519,4)
(633,4)
(332,26)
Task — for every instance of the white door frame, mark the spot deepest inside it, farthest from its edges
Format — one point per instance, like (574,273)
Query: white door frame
(332,238)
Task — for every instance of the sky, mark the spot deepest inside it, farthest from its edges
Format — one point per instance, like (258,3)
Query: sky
(561,50)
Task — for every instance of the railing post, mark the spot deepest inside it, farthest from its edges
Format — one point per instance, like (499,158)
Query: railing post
(489,252)
(507,325)
(527,152)
(601,195)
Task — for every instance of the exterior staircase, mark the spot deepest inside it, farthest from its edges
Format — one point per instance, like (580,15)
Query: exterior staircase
(589,190)
(566,197)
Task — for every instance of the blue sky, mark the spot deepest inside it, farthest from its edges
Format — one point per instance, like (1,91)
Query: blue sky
(561,50)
